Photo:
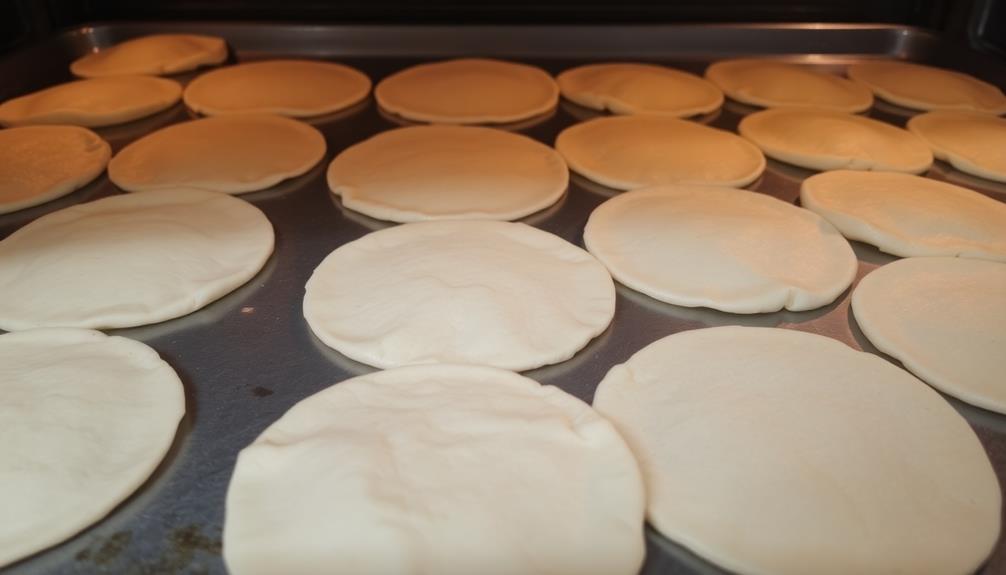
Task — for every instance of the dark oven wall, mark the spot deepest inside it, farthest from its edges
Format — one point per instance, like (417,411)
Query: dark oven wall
(22,21)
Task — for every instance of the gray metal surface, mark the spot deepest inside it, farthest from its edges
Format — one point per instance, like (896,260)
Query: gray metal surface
(249,357)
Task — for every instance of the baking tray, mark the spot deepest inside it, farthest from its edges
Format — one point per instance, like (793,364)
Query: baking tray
(250,356)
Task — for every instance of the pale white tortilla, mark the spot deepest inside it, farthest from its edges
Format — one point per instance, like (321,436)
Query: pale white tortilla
(468,91)
(448,172)
(928,88)
(944,319)
(770,83)
(627,152)
(731,250)
(436,469)
(909,215)
(154,55)
(233,154)
(825,140)
(973,143)
(476,292)
(296,88)
(775,451)
(130,260)
(42,163)
(629,88)
(86,419)
(93,102)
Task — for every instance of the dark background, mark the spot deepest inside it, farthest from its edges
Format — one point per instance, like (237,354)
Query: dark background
(980,22)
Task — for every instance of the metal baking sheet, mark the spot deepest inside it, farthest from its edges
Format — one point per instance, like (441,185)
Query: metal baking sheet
(250,356)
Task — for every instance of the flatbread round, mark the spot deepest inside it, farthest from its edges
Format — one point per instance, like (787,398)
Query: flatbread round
(775,451)
(232,154)
(154,55)
(94,102)
(296,88)
(731,250)
(625,88)
(972,143)
(86,419)
(825,140)
(448,172)
(42,163)
(468,91)
(909,215)
(627,152)
(928,88)
(436,469)
(944,319)
(157,54)
(475,292)
(130,260)
(771,84)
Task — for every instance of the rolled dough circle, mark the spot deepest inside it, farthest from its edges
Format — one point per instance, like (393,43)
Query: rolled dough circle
(626,152)
(93,102)
(436,469)
(928,88)
(731,250)
(972,143)
(468,91)
(626,88)
(476,292)
(153,55)
(775,451)
(86,419)
(825,140)
(296,88)
(944,319)
(130,260)
(771,84)
(448,172)
(909,215)
(232,154)
(42,163)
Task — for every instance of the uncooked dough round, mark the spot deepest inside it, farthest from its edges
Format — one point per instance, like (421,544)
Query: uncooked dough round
(731,250)
(928,88)
(775,451)
(130,260)
(972,143)
(86,419)
(448,172)
(232,154)
(771,83)
(42,163)
(475,292)
(93,102)
(826,140)
(296,88)
(944,319)
(627,152)
(468,91)
(154,55)
(443,469)
(639,89)
(909,215)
